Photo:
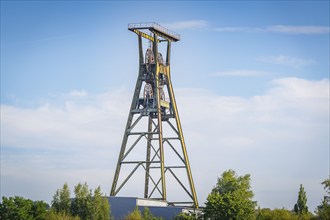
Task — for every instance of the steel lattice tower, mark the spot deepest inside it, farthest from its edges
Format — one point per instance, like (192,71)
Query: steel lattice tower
(151,107)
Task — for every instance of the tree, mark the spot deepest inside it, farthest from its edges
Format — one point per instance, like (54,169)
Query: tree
(61,200)
(82,203)
(326,184)
(231,198)
(39,210)
(185,216)
(135,215)
(24,209)
(323,210)
(53,215)
(83,206)
(105,209)
(100,208)
(89,206)
(301,206)
(268,214)
(147,215)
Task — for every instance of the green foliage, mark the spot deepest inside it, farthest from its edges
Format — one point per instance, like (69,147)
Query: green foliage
(61,199)
(105,210)
(40,210)
(282,214)
(100,208)
(231,198)
(135,215)
(85,205)
(323,210)
(82,203)
(326,184)
(184,216)
(276,214)
(301,206)
(23,209)
(53,215)
(147,215)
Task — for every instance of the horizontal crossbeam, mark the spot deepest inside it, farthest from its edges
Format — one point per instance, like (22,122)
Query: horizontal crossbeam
(156,29)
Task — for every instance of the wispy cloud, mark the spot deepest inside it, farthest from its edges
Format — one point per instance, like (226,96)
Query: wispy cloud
(77,93)
(284,29)
(187,25)
(53,38)
(287,61)
(238,29)
(298,29)
(239,73)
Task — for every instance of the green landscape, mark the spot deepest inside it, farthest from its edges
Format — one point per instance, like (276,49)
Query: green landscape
(230,199)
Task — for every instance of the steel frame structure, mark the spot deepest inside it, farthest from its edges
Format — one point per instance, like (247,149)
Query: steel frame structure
(157,111)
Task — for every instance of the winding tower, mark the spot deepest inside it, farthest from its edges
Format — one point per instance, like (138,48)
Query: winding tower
(153,125)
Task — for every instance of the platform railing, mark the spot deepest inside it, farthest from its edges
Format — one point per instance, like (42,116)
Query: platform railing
(156,26)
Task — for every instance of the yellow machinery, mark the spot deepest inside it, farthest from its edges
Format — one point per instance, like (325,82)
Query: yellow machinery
(155,106)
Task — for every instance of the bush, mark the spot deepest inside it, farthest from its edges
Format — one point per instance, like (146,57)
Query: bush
(184,216)
(24,209)
(53,215)
(135,215)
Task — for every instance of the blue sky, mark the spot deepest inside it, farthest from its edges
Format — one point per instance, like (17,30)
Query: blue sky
(251,80)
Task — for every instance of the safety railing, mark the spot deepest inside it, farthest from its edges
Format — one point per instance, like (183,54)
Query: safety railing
(155,26)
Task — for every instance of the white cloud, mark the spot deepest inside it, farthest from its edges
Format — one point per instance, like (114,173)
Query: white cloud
(238,29)
(186,25)
(284,29)
(281,136)
(74,121)
(77,93)
(299,88)
(298,29)
(287,61)
(240,73)
(53,38)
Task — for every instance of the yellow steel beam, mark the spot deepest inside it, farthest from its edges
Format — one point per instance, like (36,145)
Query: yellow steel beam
(157,29)
(160,136)
(164,69)
(183,144)
(144,35)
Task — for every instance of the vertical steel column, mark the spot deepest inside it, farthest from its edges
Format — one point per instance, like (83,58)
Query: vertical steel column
(159,118)
(183,145)
(146,186)
(168,53)
(129,120)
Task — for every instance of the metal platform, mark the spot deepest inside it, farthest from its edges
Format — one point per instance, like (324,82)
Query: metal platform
(155,28)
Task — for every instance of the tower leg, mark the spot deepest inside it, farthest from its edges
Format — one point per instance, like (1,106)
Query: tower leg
(160,138)
(146,186)
(127,129)
(183,145)
(159,119)
(135,99)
